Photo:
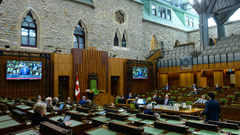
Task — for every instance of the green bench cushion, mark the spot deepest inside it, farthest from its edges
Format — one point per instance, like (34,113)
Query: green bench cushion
(102,119)
(206,132)
(134,119)
(174,122)
(101,131)
(30,132)
(147,121)
(5,118)
(8,123)
(197,121)
(151,130)
(234,131)
(173,133)
(123,122)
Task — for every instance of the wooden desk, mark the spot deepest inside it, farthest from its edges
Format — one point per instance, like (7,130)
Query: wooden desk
(23,108)
(100,131)
(12,126)
(185,111)
(29,131)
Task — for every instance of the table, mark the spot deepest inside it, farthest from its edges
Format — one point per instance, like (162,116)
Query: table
(184,111)
(100,131)
(23,108)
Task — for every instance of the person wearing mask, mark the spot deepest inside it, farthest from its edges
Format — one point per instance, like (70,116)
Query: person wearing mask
(166,87)
(212,108)
(39,113)
(201,100)
(155,97)
(129,96)
(217,87)
(148,110)
(167,101)
(83,101)
(48,101)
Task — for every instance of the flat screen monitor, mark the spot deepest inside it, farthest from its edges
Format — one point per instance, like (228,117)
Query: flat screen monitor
(160,101)
(23,70)
(139,72)
(141,101)
(122,101)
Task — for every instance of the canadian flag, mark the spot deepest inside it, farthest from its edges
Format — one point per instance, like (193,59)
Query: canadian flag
(77,89)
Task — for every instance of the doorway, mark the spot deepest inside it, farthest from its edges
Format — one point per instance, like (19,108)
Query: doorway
(63,88)
(115,85)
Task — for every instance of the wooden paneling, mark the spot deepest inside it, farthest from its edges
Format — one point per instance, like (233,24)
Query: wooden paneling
(104,98)
(63,66)
(116,68)
(198,78)
(203,81)
(186,79)
(173,79)
(230,113)
(218,77)
(162,80)
(21,88)
(90,61)
(237,77)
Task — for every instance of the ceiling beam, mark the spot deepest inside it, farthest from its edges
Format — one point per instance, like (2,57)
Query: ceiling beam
(211,6)
(223,10)
(227,16)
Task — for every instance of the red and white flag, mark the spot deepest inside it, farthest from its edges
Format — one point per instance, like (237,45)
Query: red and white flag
(77,89)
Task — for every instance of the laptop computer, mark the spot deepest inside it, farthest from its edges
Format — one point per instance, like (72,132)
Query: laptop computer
(60,107)
(66,118)
(141,101)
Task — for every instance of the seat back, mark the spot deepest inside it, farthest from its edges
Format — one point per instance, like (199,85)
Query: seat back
(146,116)
(116,116)
(192,117)
(224,124)
(111,110)
(171,127)
(75,116)
(85,110)
(133,111)
(125,129)
(19,115)
(172,117)
(203,126)
(234,121)
(132,105)
(47,128)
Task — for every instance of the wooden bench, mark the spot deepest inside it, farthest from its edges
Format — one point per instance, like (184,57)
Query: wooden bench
(203,126)
(116,116)
(19,115)
(51,129)
(125,129)
(171,127)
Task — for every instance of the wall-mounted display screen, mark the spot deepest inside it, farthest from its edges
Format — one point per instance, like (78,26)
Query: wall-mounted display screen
(23,70)
(139,72)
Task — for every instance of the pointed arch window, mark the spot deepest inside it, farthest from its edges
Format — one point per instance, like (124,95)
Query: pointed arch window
(124,42)
(116,41)
(29,32)
(79,37)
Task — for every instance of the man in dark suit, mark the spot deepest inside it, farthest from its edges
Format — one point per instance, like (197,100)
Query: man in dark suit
(148,110)
(195,92)
(166,100)
(166,87)
(136,103)
(194,86)
(129,96)
(217,87)
(212,108)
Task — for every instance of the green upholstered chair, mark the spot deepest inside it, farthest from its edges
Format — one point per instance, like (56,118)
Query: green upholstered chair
(160,91)
(93,87)
(231,96)
(156,91)
(163,93)
(147,92)
(237,94)
(185,95)
(149,98)
(224,100)
(178,88)
(183,88)
(176,91)
(132,105)
(173,98)
(117,100)
(173,87)
(196,98)
(180,97)
(189,102)
(221,90)
(171,90)
(143,95)
(180,94)
(152,93)
(215,92)
(168,93)
(235,104)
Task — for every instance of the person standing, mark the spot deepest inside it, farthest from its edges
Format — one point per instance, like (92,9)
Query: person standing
(212,108)
(166,100)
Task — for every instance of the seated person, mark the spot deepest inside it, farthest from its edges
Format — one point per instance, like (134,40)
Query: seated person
(122,97)
(48,101)
(111,105)
(83,101)
(55,101)
(155,96)
(129,96)
(136,103)
(217,87)
(68,101)
(148,110)
(88,104)
(166,87)
(194,86)
(201,100)
(39,112)
(39,98)
(167,101)
(195,92)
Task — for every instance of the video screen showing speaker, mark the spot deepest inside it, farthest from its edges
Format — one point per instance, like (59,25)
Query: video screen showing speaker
(139,72)
(23,70)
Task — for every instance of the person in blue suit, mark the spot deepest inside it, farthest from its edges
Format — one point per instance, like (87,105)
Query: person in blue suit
(129,96)
(217,87)
(148,111)
(166,87)
(25,70)
(83,101)
(212,108)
